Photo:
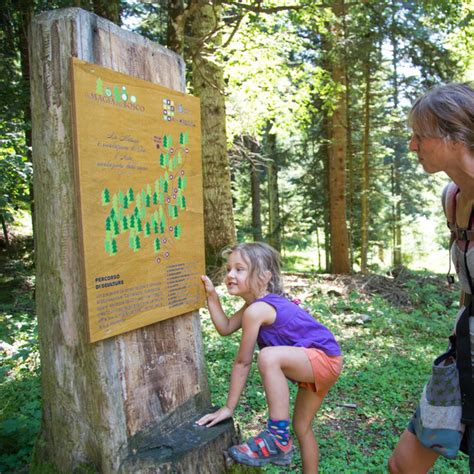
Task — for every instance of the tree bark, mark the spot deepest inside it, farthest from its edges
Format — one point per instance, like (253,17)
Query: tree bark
(5,230)
(109,9)
(397,187)
(125,404)
(337,154)
(364,204)
(251,146)
(208,85)
(274,220)
(349,152)
(176,25)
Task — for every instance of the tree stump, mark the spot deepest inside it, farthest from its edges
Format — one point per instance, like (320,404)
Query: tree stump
(128,403)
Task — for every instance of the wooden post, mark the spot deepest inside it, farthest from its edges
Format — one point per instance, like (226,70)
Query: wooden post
(128,403)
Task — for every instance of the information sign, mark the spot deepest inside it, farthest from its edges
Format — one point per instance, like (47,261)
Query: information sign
(139,178)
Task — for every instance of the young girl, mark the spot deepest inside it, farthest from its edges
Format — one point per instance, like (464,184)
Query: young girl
(293,345)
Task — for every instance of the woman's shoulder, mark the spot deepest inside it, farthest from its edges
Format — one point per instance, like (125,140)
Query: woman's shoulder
(448,199)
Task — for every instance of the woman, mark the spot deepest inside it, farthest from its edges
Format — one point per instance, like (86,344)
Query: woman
(443,138)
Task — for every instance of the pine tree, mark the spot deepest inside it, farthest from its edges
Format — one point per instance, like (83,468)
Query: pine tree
(105,196)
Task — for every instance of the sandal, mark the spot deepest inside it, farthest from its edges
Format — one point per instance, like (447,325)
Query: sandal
(261,450)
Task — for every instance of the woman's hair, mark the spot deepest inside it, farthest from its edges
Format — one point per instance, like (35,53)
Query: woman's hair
(260,258)
(445,112)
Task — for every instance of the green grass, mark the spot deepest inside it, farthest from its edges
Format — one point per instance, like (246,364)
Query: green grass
(386,363)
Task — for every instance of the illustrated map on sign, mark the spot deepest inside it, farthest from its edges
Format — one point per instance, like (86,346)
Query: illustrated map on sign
(138,163)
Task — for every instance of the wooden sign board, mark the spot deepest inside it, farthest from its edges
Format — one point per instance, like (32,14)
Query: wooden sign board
(138,157)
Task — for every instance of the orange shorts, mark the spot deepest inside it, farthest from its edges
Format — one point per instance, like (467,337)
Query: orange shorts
(326,370)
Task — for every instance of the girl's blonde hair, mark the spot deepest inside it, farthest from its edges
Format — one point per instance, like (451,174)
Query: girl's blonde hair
(260,258)
(445,112)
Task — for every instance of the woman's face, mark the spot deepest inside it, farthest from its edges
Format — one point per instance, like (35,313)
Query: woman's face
(434,154)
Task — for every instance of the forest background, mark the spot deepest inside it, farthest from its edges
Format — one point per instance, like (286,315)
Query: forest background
(305,136)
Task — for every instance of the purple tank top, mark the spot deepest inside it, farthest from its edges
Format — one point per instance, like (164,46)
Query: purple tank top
(293,326)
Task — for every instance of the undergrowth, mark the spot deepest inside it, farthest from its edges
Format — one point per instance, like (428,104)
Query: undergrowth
(20,398)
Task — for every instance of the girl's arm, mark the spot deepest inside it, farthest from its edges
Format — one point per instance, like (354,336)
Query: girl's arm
(224,325)
(253,317)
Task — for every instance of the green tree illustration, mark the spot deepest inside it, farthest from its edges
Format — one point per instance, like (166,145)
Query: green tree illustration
(157,244)
(114,247)
(99,86)
(117,94)
(131,196)
(131,239)
(107,245)
(105,196)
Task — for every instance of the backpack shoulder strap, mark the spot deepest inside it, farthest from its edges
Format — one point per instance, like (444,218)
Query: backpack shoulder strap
(448,200)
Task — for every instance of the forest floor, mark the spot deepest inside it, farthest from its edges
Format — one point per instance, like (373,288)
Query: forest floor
(390,328)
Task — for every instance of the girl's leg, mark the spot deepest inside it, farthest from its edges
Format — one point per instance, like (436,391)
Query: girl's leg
(410,456)
(276,364)
(306,406)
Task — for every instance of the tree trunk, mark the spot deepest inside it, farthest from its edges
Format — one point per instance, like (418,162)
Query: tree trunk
(397,187)
(337,154)
(349,152)
(364,204)
(5,230)
(254,190)
(109,9)
(274,220)
(26,10)
(127,403)
(176,25)
(325,157)
(208,85)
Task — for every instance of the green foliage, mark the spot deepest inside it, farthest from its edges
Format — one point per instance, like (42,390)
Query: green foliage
(386,363)
(15,173)
(20,397)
